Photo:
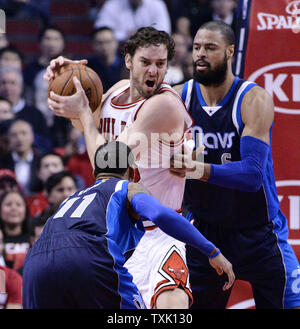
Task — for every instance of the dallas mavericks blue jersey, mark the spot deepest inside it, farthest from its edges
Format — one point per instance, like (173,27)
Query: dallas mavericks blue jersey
(101,211)
(220,128)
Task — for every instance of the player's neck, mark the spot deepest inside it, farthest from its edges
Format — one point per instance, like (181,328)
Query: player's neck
(108,175)
(213,94)
(128,97)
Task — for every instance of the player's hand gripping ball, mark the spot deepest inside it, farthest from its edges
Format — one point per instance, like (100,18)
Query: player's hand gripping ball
(62,83)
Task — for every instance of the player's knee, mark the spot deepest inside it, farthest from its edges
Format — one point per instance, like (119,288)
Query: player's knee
(172,299)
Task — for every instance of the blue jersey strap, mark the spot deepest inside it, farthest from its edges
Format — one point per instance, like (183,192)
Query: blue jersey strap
(248,173)
(170,222)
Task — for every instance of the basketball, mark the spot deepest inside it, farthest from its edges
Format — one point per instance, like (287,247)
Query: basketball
(62,83)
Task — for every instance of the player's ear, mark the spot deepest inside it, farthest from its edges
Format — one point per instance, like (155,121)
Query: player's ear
(128,61)
(230,51)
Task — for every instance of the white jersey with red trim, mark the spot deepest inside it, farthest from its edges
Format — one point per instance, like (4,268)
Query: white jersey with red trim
(116,117)
(158,258)
(153,165)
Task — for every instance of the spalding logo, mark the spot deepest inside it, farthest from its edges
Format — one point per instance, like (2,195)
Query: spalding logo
(291,21)
(283,81)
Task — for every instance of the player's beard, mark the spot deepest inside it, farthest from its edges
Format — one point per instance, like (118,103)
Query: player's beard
(137,85)
(212,77)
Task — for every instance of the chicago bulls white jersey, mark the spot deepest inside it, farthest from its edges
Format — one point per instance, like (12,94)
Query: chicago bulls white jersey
(116,117)
(154,163)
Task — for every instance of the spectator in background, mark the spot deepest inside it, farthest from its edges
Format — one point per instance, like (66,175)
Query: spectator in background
(175,70)
(224,10)
(6,117)
(22,159)
(188,67)
(6,112)
(52,44)
(11,288)
(36,226)
(124,17)
(11,56)
(11,88)
(14,221)
(47,164)
(58,187)
(183,27)
(77,158)
(94,7)
(8,182)
(27,9)
(51,40)
(196,12)
(106,61)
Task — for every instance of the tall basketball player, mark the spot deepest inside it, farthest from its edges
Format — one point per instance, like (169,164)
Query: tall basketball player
(235,203)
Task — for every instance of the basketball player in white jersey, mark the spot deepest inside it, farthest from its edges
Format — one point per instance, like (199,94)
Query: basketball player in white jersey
(155,119)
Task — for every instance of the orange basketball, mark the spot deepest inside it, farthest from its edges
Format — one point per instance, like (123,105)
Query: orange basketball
(62,83)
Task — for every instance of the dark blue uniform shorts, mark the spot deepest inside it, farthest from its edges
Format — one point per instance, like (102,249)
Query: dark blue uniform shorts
(260,255)
(70,271)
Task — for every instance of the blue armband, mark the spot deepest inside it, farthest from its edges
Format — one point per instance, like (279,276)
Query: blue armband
(170,222)
(248,173)
(215,254)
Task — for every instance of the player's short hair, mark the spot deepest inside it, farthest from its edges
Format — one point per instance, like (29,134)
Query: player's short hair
(146,36)
(226,30)
(113,158)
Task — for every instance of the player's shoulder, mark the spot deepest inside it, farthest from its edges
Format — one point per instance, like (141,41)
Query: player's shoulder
(257,106)
(258,96)
(258,91)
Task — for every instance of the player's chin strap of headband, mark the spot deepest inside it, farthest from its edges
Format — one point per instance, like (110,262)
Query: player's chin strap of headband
(248,173)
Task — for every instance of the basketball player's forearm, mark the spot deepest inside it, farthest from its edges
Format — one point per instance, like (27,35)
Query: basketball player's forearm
(172,223)
(93,138)
(248,173)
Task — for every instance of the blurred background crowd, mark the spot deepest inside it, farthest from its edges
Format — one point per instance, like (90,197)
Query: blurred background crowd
(43,159)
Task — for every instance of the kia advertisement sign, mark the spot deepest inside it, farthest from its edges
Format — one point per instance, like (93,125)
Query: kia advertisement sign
(268,53)
(282,81)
